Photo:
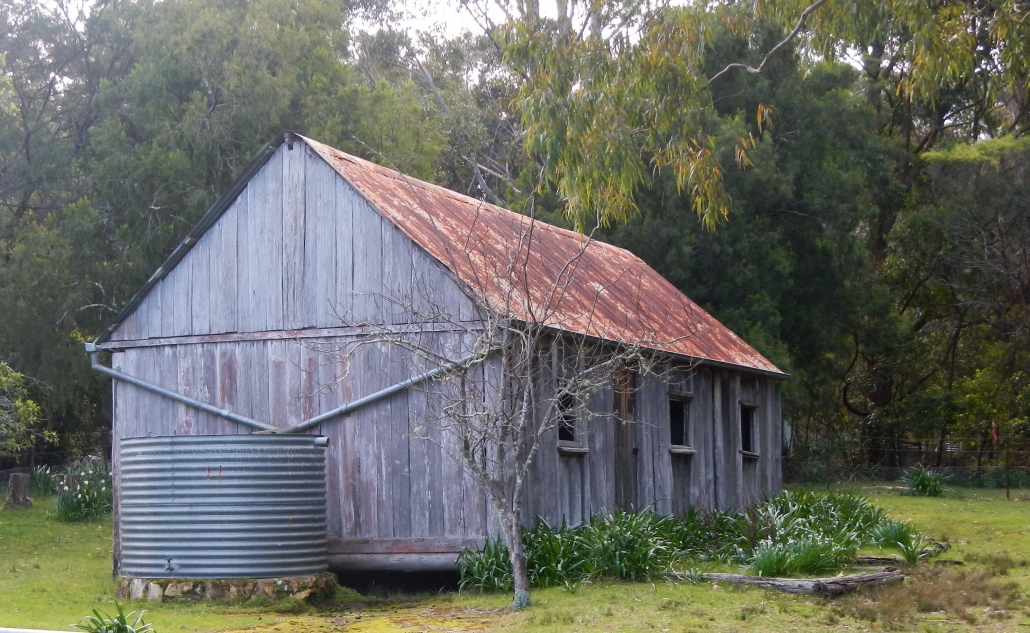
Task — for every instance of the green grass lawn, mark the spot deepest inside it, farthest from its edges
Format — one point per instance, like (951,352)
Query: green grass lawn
(54,573)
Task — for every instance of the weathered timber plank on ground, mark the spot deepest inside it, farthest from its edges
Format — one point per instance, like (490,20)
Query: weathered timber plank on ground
(831,587)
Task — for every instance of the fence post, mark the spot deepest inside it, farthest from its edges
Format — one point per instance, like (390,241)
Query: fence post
(1008,469)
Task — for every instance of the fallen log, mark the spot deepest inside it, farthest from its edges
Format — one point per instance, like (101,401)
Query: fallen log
(882,561)
(934,548)
(830,587)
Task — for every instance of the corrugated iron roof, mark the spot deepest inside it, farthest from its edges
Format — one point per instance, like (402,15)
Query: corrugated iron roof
(540,273)
(527,267)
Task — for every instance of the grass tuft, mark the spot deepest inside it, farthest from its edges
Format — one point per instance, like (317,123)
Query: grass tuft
(926,482)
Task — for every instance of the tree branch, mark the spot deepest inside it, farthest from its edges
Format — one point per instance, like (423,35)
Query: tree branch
(793,34)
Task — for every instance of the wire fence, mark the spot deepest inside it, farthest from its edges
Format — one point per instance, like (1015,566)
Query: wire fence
(987,461)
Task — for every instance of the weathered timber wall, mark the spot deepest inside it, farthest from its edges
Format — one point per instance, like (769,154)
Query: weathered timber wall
(299,248)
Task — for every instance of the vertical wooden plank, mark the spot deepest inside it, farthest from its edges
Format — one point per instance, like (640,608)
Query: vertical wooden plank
(368,264)
(142,314)
(186,372)
(278,392)
(181,292)
(364,441)
(154,316)
(259,375)
(601,459)
(246,318)
(128,329)
(718,446)
(208,389)
(386,465)
(344,431)
(168,301)
(473,499)
(734,459)
(645,442)
(398,264)
(199,262)
(224,318)
(399,451)
(293,381)
(324,375)
(228,382)
(777,429)
(342,294)
(295,298)
(420,480)
(265,245)
(438,461)
(320,265)
(545,475)
(660,434)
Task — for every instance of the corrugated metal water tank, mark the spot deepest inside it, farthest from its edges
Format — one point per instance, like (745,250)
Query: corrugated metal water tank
(222,506)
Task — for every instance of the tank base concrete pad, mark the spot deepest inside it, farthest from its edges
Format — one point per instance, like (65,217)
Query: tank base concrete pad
(227,590)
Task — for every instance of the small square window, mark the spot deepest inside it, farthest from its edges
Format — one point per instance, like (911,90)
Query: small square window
(679,422)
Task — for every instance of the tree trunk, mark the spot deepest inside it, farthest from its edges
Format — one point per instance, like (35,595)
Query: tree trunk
(519,570)
(18,491)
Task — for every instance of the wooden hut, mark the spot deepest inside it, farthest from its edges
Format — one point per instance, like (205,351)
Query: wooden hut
(235,317)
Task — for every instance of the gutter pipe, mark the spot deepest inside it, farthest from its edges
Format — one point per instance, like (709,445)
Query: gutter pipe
(267,428)
(171,395)
(357,404)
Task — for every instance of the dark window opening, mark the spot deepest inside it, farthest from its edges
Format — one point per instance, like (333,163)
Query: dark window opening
(567,418)
(679,422)
(747,426)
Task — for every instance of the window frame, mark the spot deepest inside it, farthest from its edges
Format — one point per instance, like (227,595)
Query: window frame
(687,448)
(567,411)
(752,407)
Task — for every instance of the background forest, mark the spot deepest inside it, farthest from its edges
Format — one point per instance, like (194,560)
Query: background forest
(859,210)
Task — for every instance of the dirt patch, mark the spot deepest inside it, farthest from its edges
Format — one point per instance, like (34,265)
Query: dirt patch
(397,618)
(967,596)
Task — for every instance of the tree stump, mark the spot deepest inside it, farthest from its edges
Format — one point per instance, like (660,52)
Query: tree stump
(18,491)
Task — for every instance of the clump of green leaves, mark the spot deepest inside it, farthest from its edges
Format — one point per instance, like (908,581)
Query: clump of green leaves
(44,481)
(926,482)
(486,570)
(900,536)
(101,622)
(792,533)
(86,491)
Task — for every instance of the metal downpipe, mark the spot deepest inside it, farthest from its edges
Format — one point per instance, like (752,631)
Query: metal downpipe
(267,428)
(171,395)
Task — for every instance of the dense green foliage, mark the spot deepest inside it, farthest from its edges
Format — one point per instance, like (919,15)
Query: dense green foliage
(869,237)
(793,533)
(18,414)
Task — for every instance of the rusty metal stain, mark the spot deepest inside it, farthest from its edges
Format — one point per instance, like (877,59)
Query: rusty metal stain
(541,273)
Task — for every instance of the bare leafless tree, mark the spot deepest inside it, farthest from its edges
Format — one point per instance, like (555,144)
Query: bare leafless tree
(518,369)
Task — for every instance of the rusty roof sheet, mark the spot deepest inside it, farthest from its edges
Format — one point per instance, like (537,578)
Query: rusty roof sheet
(543,274)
